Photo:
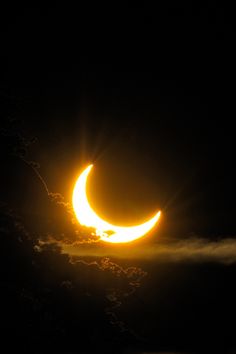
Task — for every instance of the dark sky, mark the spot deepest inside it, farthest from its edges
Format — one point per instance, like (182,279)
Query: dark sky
(148,88)
(147,95)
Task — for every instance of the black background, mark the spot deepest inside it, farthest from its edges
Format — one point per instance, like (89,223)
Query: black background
(147,95)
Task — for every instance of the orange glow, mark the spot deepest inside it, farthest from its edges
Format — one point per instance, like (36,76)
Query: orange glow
(107,232)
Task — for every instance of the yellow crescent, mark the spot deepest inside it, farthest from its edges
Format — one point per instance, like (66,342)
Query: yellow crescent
(107,232)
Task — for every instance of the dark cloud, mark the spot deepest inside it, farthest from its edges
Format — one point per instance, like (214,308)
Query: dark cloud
(57,298)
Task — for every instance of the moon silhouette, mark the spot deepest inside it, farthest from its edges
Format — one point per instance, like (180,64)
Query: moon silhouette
(106,231)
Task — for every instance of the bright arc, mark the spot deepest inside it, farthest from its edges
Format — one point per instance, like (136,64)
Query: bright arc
(87,217)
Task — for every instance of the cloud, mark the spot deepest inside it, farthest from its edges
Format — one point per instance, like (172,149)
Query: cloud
(191,250)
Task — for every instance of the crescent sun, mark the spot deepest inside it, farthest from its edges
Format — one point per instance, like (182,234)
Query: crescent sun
(106,231)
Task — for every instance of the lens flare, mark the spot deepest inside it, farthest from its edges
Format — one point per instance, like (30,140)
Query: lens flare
(106,231)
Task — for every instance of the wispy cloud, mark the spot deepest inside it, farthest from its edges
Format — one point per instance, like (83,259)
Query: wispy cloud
(191,250)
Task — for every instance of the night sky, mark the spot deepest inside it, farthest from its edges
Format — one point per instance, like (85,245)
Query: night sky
(147,95)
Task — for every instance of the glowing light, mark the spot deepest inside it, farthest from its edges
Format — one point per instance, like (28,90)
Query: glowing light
(107,232)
